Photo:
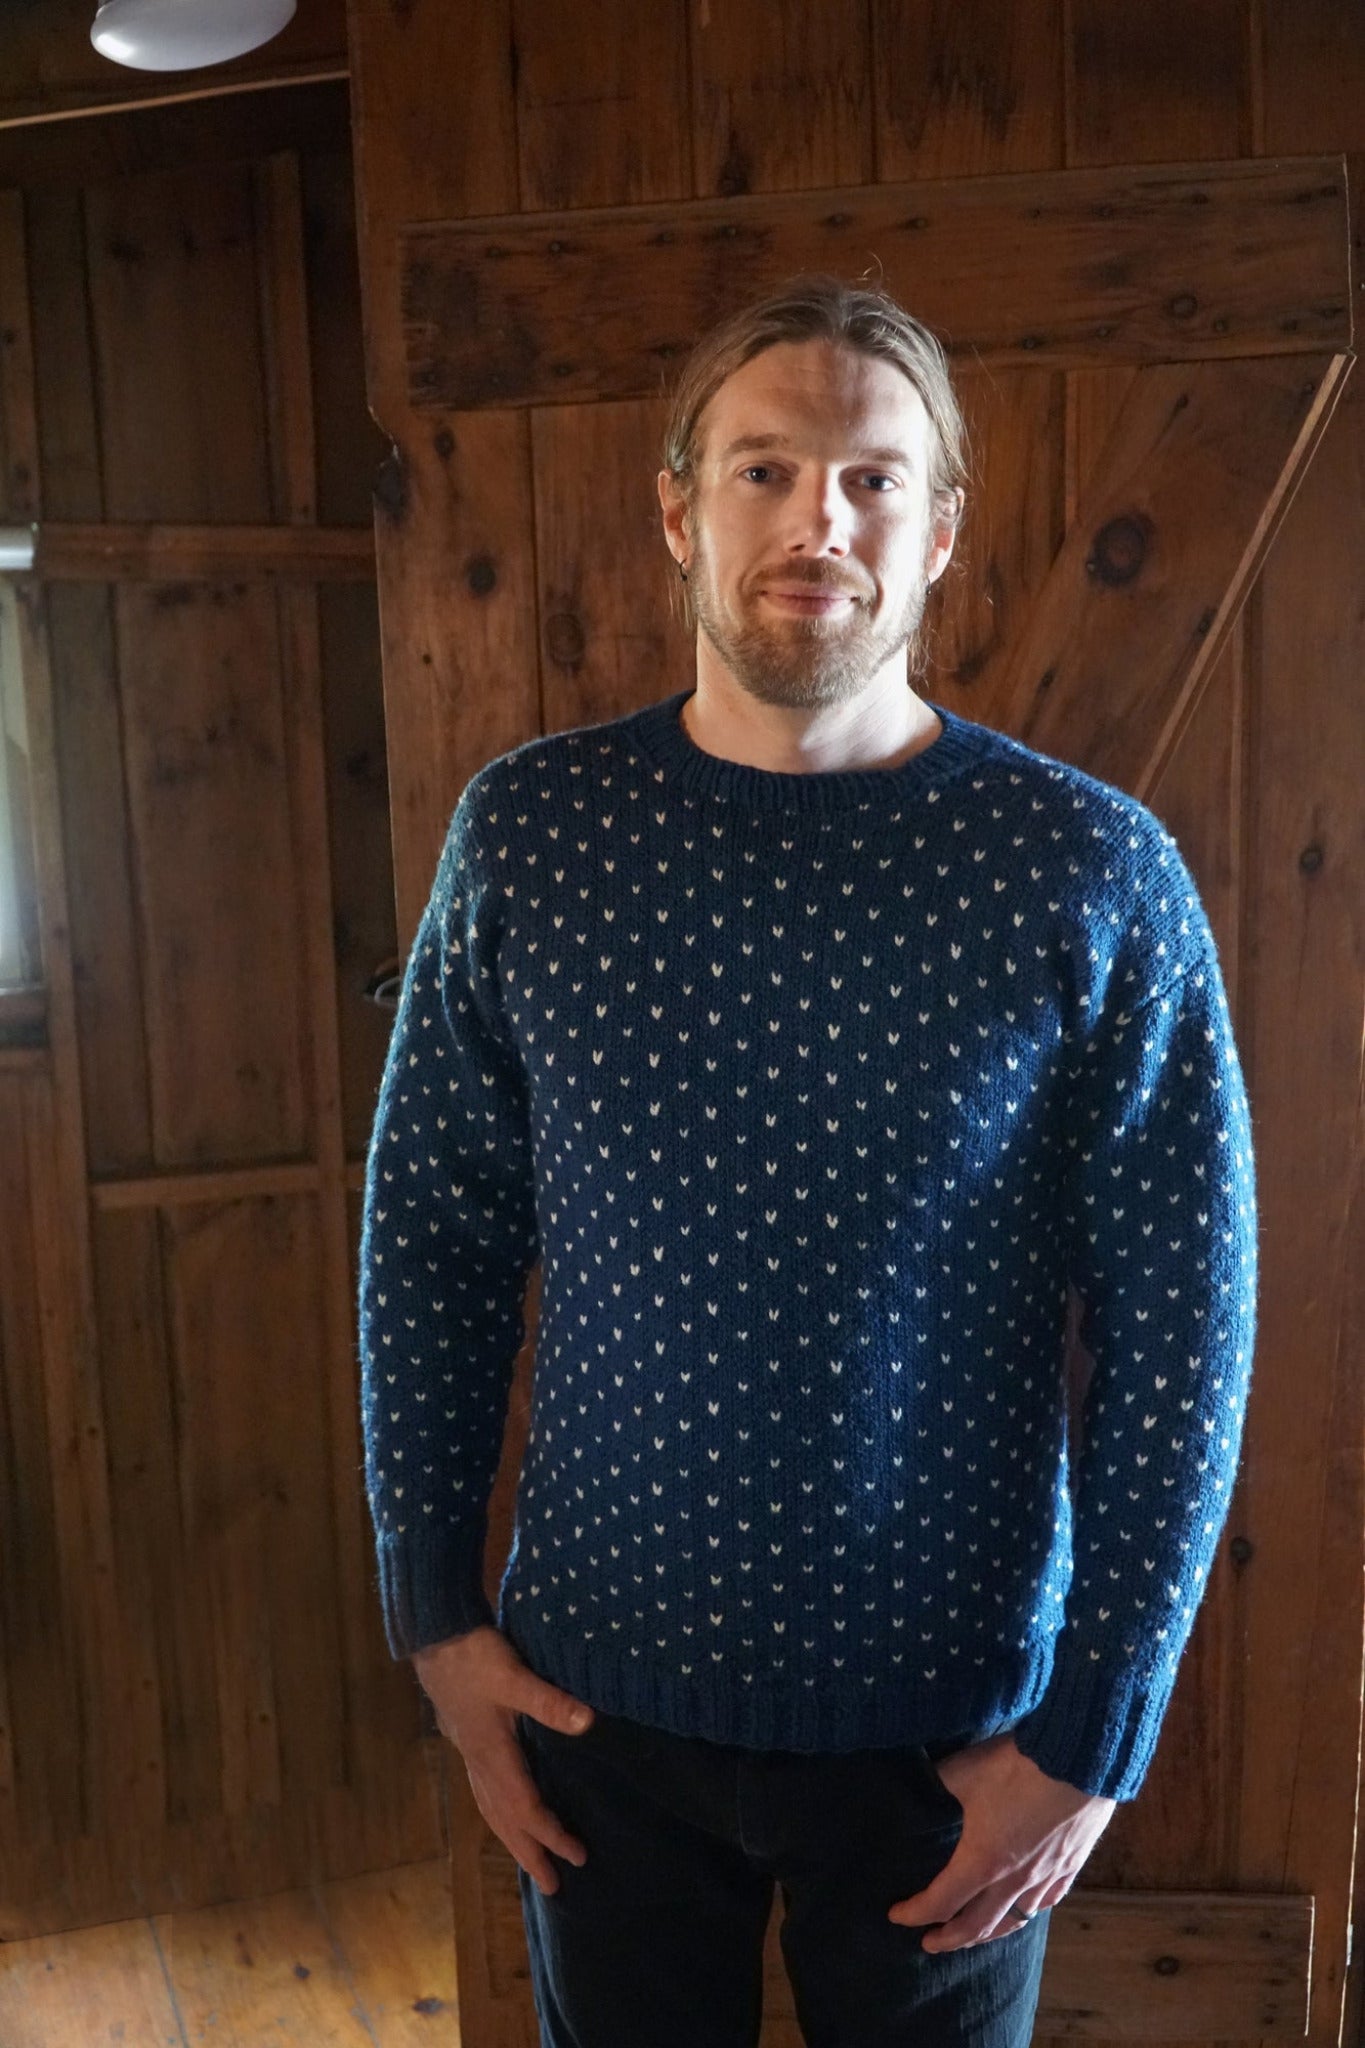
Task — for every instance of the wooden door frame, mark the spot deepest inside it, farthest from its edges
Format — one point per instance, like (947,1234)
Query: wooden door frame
(1232,385)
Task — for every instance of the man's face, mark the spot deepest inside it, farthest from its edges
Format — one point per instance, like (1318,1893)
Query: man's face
(809,558)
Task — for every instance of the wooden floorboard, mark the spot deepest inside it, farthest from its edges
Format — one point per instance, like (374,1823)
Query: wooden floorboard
(359,1962)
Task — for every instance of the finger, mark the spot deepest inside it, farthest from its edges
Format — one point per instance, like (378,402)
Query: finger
(931,1908)
(538,1820)
(953,1888)
(524,1825)
(1057,1890)
(543,1831)
(549,1829)
(523,1822)
(537,1866)
(987,1917)
(545,1702)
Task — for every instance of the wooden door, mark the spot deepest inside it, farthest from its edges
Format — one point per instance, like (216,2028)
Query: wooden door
(1149,356)
(185,1088)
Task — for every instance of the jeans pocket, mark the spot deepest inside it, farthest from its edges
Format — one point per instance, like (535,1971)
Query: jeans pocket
(937,1789)
(613,1739)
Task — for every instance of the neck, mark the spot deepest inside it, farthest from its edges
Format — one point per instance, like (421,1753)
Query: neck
(884,726)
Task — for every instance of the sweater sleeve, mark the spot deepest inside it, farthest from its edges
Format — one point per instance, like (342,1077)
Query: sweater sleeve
(448,1236)
(1160,1215)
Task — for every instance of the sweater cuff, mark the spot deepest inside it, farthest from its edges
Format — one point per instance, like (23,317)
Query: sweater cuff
(1096,1728)
(431,1586)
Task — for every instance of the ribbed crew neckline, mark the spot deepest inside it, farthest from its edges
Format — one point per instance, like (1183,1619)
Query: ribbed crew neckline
(690,769)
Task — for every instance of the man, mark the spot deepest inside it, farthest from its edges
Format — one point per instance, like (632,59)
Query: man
(814,1036)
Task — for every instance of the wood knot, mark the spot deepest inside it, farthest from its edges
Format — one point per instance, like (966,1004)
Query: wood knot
(1119,551)
(564,639)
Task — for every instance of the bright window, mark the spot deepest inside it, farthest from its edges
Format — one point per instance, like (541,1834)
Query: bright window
(19,950)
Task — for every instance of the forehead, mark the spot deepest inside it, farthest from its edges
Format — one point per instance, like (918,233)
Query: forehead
(822,395)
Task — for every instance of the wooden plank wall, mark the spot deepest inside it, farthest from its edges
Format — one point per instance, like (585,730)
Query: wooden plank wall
(196,1700)
(522,589)
(181,1718)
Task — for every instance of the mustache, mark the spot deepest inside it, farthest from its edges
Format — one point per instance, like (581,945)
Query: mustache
(819,584)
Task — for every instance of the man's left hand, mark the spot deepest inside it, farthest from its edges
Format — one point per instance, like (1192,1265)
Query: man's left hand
(1025,1837)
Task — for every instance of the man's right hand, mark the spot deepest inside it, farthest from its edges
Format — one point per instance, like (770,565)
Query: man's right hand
(478,1685)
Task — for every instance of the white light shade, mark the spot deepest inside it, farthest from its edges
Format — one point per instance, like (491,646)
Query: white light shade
(17,547)
(180,35)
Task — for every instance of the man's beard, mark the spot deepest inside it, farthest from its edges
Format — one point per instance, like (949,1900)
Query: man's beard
(806,658)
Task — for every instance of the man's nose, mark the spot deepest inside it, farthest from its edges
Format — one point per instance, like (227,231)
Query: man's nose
(819,516)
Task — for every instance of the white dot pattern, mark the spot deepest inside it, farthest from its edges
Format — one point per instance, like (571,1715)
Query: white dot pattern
(810,1092)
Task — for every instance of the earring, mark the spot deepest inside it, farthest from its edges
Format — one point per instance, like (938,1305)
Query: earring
(682,572)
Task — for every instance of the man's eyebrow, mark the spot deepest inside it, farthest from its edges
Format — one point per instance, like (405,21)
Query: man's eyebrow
(748,443)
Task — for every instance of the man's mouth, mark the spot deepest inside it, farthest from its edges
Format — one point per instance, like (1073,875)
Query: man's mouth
(813,601)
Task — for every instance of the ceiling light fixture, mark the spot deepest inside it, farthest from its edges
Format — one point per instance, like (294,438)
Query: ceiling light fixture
(181,35)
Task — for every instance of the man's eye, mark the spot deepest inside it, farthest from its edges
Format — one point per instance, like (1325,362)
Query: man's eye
(880,476)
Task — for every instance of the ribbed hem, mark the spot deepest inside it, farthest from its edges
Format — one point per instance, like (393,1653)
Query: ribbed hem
(431,1587)
(839,1712)
(1096,1728)
(678,762)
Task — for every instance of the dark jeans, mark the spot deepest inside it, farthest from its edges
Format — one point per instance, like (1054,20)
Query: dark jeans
(657,1940)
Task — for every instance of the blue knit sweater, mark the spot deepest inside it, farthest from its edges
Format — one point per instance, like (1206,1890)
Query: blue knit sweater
(810,1091)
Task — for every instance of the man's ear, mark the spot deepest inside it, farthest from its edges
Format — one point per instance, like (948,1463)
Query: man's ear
(943,538)
(674,505)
